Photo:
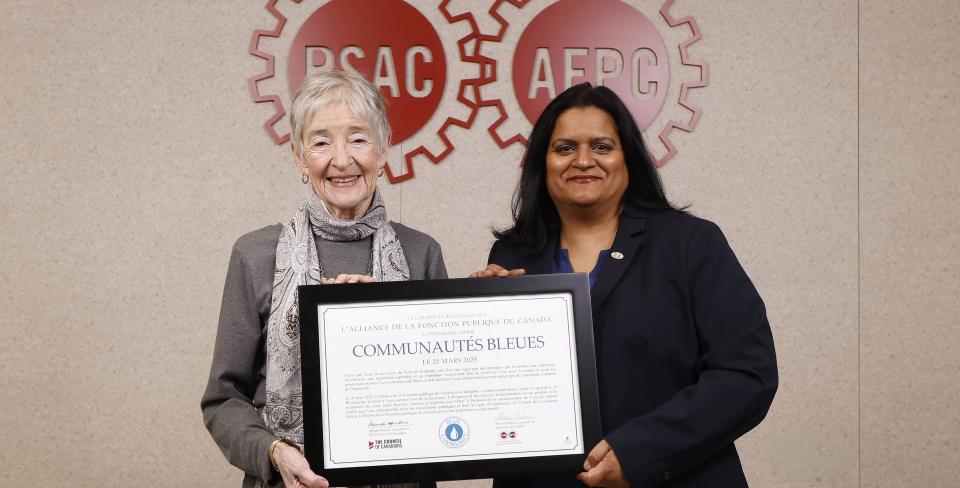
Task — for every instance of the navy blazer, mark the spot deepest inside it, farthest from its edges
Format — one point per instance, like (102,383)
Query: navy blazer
(685,357)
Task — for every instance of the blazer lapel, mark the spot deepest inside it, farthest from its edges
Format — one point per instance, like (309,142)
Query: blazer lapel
(626,246)
(543,264)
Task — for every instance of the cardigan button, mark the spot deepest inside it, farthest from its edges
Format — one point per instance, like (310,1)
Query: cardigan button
(616,255)
(667,476)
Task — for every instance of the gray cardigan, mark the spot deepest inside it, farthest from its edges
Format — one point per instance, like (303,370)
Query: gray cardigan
(236,390)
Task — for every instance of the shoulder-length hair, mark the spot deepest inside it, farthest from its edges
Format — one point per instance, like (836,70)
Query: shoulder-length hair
(535,217)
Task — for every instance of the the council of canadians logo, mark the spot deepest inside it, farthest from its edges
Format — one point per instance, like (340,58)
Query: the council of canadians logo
(445,64)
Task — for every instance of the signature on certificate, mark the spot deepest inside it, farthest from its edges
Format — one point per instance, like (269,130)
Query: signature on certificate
(387,423)
(513,416)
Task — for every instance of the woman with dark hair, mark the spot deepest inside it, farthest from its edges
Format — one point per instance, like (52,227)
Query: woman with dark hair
(685,356)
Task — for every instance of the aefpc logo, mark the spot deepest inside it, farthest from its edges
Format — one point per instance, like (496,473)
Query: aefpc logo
(440,63)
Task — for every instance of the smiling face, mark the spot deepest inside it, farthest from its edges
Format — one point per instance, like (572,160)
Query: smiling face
(586,168)
(342,159)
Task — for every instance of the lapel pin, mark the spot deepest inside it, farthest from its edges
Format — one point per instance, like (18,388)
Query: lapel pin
(616,255)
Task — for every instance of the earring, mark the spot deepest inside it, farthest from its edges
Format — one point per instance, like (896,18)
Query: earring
(305,179)
(380,173)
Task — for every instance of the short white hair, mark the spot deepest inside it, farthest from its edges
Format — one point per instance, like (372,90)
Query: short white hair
(329,86)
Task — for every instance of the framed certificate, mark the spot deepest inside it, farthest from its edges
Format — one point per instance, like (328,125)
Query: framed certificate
(448,379)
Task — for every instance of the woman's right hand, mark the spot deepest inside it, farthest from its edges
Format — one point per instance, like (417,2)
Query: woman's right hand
(294,468)
(497,270)
(348,278)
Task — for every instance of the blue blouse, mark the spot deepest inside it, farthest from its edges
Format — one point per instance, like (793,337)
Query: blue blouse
(561,263)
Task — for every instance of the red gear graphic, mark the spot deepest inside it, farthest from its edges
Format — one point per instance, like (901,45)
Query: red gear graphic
(685,87)
(664,135)
(471,56)
(269,72)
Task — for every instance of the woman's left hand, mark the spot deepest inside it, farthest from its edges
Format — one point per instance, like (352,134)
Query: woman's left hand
(497,270)
(602,468)
(348,278)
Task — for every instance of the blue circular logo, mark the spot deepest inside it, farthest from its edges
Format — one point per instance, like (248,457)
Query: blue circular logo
(454,432)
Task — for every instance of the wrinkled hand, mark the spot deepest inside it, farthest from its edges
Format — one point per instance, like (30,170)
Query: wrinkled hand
(348,278)
(602,468)
(295,470)
(497,270)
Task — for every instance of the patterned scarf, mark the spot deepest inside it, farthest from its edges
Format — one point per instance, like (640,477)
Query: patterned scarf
(298,264)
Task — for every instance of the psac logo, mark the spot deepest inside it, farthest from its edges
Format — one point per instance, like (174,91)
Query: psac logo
(439,64)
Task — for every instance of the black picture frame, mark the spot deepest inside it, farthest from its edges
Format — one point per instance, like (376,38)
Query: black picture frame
(311,296)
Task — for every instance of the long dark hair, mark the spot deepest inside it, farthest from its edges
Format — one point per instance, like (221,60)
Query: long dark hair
(535,218)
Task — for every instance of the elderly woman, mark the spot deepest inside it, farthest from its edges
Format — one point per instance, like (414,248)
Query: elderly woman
(340,234)
(685,357)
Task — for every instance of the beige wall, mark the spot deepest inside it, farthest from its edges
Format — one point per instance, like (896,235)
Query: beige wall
(133,158)
(910,244)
